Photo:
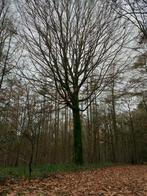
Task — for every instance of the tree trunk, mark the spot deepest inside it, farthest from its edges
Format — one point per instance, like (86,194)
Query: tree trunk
(133,137)
(114,121)
(31,159)
(77,133)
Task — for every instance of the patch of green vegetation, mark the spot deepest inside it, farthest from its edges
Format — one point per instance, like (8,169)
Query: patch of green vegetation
(45,170)
(14,171)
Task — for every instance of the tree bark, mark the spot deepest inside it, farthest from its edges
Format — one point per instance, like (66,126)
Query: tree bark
(77,133)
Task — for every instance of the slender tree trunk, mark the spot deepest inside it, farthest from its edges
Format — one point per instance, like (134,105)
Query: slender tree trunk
(114,121)
(65,132)
(31,159)
(89,136)
(113,158)
(77,133)
(18,153)
(56,130)
(37,144)
(134,146)
(5,63)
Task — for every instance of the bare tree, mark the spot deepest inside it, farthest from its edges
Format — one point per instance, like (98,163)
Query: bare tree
(71,42)
(134,11)
(7,32)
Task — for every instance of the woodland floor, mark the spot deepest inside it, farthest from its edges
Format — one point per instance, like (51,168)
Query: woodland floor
(113,181)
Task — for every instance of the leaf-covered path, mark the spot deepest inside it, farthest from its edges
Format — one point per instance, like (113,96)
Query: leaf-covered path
(114,181)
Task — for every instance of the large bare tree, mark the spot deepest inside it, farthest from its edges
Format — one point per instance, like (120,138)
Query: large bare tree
(72,43)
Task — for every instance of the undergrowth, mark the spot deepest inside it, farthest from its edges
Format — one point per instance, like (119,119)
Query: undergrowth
(45,170)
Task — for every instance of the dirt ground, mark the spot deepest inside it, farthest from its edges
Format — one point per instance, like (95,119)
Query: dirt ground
(114,181)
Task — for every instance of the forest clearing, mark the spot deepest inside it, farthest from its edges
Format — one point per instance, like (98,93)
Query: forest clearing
(73,97)
(112,181)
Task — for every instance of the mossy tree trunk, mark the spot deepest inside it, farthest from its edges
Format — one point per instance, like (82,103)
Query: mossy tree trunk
(77,134)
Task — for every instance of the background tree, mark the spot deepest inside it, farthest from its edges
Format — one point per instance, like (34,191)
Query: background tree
(7,35)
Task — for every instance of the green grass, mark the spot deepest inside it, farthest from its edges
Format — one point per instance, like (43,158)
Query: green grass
(44,170)
(13,171)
